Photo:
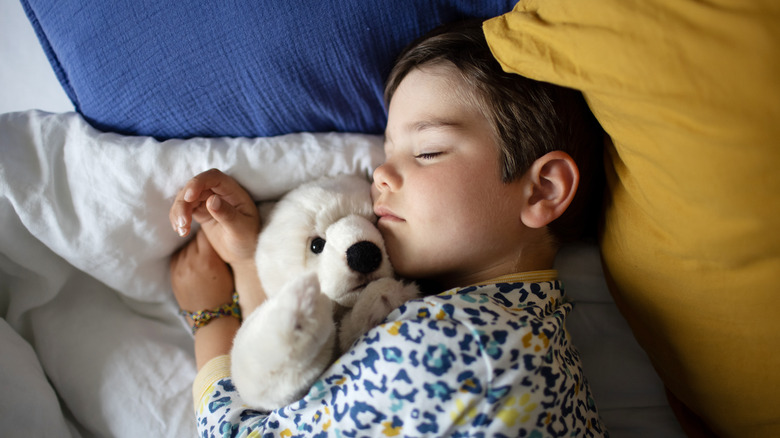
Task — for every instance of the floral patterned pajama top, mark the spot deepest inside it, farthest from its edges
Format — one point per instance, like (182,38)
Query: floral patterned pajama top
(491,360)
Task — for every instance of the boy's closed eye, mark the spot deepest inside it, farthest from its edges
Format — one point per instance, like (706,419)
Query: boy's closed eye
(427,155)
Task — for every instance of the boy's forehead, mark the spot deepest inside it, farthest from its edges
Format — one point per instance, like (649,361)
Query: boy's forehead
(433,96)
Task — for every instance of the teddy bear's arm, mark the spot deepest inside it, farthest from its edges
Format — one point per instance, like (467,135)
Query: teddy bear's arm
(284,345)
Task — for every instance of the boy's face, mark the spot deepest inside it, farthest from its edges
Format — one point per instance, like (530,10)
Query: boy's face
(443,210)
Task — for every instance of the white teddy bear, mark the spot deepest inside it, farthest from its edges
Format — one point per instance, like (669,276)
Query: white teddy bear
(325,271)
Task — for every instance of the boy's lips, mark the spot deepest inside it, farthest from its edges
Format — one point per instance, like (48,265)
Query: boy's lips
(385,214)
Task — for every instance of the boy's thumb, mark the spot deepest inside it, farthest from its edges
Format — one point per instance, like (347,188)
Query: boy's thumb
(220,210)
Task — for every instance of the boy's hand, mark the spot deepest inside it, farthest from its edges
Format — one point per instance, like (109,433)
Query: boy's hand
(200,279)
(225,211)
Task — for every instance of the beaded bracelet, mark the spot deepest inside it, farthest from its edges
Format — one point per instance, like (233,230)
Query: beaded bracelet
(204,317)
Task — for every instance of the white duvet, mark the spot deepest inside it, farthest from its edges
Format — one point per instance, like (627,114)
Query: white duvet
(90,342)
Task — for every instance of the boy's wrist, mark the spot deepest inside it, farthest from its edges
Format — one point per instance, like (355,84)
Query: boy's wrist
(195,302)
(201,318)
(248,285)
(244,265)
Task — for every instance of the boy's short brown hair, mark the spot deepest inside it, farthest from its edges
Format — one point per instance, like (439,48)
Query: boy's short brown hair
(529,118)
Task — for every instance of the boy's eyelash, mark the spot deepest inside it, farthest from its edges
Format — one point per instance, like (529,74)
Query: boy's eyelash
(427,155)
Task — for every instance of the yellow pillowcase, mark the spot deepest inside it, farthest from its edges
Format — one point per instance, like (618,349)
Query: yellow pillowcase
(689,92)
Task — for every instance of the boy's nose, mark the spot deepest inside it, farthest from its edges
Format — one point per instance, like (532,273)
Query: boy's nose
(383,178)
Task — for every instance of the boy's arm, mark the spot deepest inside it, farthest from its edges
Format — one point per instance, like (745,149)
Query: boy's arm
(214,340)
(248,286)
(202,281)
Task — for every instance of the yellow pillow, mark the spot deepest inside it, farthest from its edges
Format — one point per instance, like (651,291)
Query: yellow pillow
(689,92)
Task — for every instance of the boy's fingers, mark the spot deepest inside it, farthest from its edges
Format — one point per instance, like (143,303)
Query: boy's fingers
(221,211)
(220,184)
(181,212)
(179,215)
(187,200)
(204,181)
(195,195)
(231,217)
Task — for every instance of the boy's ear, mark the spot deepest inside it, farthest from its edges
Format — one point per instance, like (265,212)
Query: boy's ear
(551,183)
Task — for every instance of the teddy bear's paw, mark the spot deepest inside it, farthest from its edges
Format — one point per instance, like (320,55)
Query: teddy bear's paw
(305,317)
(284,345)
(382,296)
(374,303)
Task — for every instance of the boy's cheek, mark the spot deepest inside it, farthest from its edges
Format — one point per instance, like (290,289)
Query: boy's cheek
(393,247)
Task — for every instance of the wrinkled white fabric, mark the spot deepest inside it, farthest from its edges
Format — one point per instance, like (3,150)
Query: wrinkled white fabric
(84,249)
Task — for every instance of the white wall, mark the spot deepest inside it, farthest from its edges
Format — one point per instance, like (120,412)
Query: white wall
(27,81)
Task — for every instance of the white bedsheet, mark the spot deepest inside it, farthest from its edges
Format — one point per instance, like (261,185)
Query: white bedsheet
(91,343)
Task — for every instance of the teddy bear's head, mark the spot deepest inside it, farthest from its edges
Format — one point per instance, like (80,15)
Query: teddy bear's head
(327,227)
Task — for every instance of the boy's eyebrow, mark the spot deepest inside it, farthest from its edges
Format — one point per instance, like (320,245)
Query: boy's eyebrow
(432,123)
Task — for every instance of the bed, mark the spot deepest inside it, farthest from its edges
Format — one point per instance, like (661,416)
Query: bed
(90,337)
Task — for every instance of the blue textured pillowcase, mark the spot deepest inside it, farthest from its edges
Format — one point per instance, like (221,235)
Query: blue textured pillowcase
(240,68)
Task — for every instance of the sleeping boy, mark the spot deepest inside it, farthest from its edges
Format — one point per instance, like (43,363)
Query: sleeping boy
(486,175)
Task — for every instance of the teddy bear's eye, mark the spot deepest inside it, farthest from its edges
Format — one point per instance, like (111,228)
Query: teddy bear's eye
(317,245)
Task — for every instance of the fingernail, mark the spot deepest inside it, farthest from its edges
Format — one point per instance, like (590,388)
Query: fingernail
(180,222)
(181,231)
(215,202)
(189,195)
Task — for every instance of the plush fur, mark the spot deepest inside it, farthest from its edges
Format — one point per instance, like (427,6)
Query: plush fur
(324,268)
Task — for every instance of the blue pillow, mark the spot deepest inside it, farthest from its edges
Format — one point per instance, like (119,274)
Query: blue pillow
(172,68)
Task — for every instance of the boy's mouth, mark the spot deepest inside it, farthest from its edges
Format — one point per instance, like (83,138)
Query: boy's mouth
(386,215)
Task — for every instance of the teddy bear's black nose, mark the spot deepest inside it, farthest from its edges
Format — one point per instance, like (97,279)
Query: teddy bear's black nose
(364,257)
